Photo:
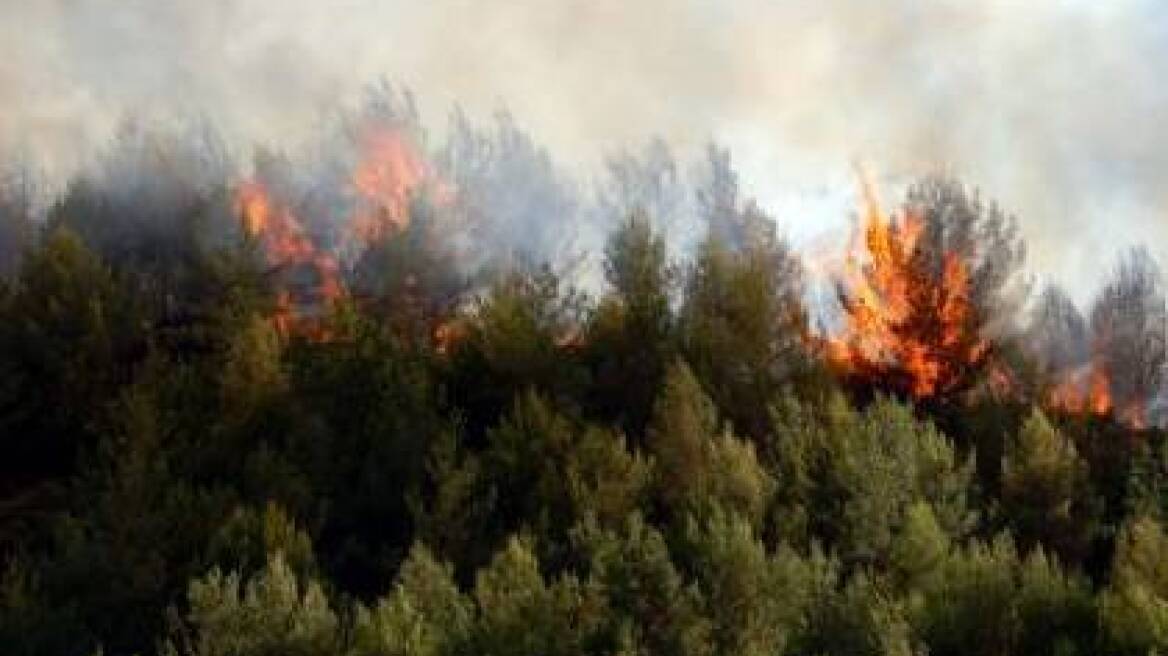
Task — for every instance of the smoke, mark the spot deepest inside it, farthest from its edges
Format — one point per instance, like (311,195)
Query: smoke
(1052,108)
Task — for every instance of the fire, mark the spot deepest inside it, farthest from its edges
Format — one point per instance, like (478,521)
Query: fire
(909,319)
(1088,391)
(449,334)
(291,253)
(390,172)
(1083,392)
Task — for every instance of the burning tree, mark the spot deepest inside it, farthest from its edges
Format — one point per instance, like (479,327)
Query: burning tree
(1129,322)
(1129,345)
(1111,363)
(927,290)
(361,223)
(305,275)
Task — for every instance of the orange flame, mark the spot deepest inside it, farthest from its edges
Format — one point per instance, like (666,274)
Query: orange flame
(390,172)
(1088,391)
(907,323)
(1080,392)
(288,247)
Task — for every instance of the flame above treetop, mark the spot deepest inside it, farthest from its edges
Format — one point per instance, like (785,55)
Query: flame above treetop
(910,320)
(290,251)
(389,172)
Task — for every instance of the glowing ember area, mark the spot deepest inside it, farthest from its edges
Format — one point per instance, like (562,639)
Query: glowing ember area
(309,278)
(391,170)
(449,334)
(1088,391)
(909,316)
(1083,392)
(389,173)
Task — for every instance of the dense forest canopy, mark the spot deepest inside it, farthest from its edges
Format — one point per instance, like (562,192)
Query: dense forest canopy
(390,396)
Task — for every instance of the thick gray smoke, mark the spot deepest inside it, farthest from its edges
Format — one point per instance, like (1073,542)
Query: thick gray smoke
(1055,109)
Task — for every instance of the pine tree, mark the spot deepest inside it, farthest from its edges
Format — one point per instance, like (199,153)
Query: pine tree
(1046,495)
(698,466)
(1135,604)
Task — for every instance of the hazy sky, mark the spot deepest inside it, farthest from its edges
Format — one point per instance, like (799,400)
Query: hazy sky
(1058,109)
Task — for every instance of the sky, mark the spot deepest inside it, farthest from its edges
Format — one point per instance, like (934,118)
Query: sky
(1055,109)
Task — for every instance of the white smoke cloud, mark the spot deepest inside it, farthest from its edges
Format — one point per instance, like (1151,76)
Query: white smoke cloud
(1053,108)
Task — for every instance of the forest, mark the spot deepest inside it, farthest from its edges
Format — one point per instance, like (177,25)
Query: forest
(391,394)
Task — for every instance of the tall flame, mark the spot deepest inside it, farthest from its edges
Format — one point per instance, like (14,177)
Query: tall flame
(385,180)
(909,322)
(287,247)
(389,173)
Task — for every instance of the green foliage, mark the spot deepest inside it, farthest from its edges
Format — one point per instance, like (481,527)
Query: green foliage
(969,607)
(520,336)
(31,623)
(425,615)
(1056,613)
(630,335)
(984,599)
(1045,491)
(454,515)
(520,614)
(68,331)
(854,476)
(652,609)
(1135,605)
(698,466)
(274,612)
(859,619)
(253,369)
(540,471)
(741,327)
(359,423)
(1147,484)
(246,538)
(756,601)
(920,550)
(140,537)
(659,472)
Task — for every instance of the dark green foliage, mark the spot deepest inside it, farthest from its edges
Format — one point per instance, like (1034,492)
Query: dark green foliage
(1135,604)
(859,619)
(850,478)
(274,612)
(630,336)
(755,600)
(653,609)
(664,471)
(424,615)
(1147,489)
(410,278)
(700,467)
(522,335)
(1046,493)
(742,319)
(360,420)
(741,328)
(540,472)
(984,599)
(68,332)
